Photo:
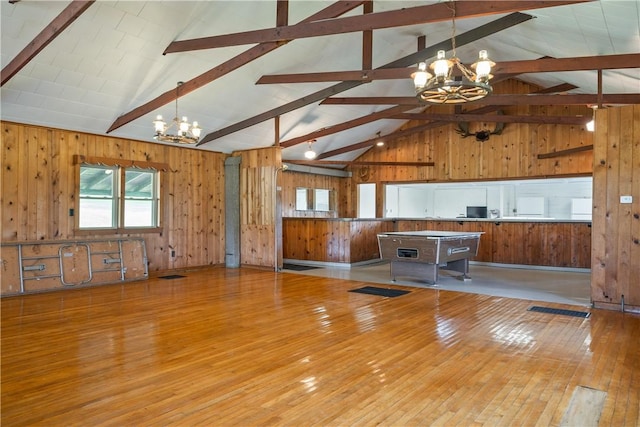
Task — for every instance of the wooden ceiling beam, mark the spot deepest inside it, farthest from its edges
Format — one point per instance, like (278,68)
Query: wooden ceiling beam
(562,87)
(46,36)
(282,13)
(335,9)
(371,142)
(388,113)
(384,114)
(367,41)
(560,99)
(355,163)
(395,18)
(542,65)
(433,125)
(462,39)
(497,118)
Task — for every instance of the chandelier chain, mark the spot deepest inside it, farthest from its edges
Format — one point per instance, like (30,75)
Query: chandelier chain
(452,6)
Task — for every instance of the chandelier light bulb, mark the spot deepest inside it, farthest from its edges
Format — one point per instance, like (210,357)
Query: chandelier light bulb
(196,130)
(421,76)
(483,67)
(184,125)
(159,124)
(441,65)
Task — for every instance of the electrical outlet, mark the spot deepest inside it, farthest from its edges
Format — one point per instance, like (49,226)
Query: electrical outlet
(626,199)
(173,254)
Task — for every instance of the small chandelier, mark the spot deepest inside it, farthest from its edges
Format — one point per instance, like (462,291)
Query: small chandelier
(310,154)
(179,131)
(441,88)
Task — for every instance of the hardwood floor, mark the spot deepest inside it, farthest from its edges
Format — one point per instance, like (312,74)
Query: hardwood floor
(251,347)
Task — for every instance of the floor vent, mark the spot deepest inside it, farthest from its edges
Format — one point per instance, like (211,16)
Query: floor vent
(171,276)
(550,310)
(298,267)
(383,292)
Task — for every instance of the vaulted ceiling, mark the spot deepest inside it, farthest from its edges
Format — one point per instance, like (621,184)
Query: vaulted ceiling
(259,72)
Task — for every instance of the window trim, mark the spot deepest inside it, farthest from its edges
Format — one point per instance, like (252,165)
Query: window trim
(122,165)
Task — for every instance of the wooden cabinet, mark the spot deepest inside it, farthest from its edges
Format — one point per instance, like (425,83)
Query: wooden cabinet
(38,266)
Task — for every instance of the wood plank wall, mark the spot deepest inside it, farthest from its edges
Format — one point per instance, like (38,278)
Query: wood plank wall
(292,180)
(39,188)
(553,244)
(513,154)
(616,226)
(258,192)
(329,240)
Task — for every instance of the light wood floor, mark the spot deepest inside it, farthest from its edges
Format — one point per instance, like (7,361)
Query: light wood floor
(249,347)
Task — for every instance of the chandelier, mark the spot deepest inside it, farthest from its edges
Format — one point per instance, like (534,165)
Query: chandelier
(442,87)
(178,131)
(310,154)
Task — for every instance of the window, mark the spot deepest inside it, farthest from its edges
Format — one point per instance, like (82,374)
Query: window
(321,200)
(118,197)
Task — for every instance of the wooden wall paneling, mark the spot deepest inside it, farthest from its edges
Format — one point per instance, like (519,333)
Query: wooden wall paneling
(180,212)
(625,168)
(39,184)
(29,183)
(162,247)
(63,186)
(513,154)
(292,180)
(12,147)
(290,239)
(634,252)
(258,223)
(485,249)
(613,192)
(599,228)
(196,230)
(361,246)
(581,245)
(214,211)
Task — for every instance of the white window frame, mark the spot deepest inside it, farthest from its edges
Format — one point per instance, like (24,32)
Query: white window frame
(120,198)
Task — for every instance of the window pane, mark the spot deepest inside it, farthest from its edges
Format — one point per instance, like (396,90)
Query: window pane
(301,199)
(321,200)
(96,213)
(139,213)
(96,181)
(139,184)
(97,197)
